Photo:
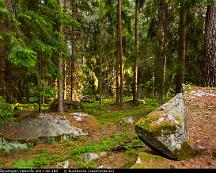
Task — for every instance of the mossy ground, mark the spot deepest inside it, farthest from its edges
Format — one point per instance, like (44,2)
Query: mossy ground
(149,161)
(106,128)
(186,152)
(201,127)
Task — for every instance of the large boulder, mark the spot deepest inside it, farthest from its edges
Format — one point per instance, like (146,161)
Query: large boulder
(42,128)
(165,130)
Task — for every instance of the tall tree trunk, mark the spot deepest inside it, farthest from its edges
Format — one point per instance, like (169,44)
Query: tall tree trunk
(61,74)
(135,68)
(39,84)
(117,65)
(2,74)
(72,82)
(180,75)
(120,49)
(210,45)
(60,87)
(73,51)
(164,16)
(65,77)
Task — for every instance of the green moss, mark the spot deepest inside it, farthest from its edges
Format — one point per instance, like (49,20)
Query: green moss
(147,121)
(148,124)
(165,127)
(148,160)
(178,118)
(185,152)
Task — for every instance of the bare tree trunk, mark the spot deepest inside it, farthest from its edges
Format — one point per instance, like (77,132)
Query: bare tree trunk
(181,48)
(61,75)
(65,77)
(2,74)
(73,50)
(61,87)
(72,64)
(164,45)
(39,84)
(120,51)
(164,73)
(117,65)
(210,45)
(135,67)
(55,84)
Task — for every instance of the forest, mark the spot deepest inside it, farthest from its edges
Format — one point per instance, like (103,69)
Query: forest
(107,84)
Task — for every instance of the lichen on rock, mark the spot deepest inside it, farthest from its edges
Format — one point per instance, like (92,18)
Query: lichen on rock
(165,129)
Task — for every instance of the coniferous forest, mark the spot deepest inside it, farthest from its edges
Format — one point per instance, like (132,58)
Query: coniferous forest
(107,84)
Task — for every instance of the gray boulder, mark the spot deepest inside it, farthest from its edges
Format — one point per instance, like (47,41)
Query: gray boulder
(42,128)
(165,130)
(92,156)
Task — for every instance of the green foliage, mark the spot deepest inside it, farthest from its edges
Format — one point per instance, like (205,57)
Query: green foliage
(106,113)
(33,106)
(187,87)
(21,164)
(6,110)
(22,57)
(89,165)
(43,158)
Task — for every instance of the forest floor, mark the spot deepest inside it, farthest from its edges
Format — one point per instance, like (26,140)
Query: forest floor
(109,133)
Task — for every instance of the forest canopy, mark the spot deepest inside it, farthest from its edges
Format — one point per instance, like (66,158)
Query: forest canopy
(76,49)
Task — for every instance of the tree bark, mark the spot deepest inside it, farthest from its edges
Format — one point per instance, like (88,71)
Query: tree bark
(60,87)
(61,75)
(2,74)
(73,51)
(180,75)
(120,50)
(135,67)
(210,45)
(117,66)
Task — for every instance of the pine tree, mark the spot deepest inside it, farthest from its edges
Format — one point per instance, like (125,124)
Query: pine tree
(210,44)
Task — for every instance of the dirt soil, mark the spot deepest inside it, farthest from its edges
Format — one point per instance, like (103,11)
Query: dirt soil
(201,123)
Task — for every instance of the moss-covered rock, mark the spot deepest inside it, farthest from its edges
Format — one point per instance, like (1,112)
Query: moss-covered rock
(165,130)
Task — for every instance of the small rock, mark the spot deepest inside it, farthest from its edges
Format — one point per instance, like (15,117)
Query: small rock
(103,153)
(138,161)
(64,164)
(79,115)
(90,156)
(128,120)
